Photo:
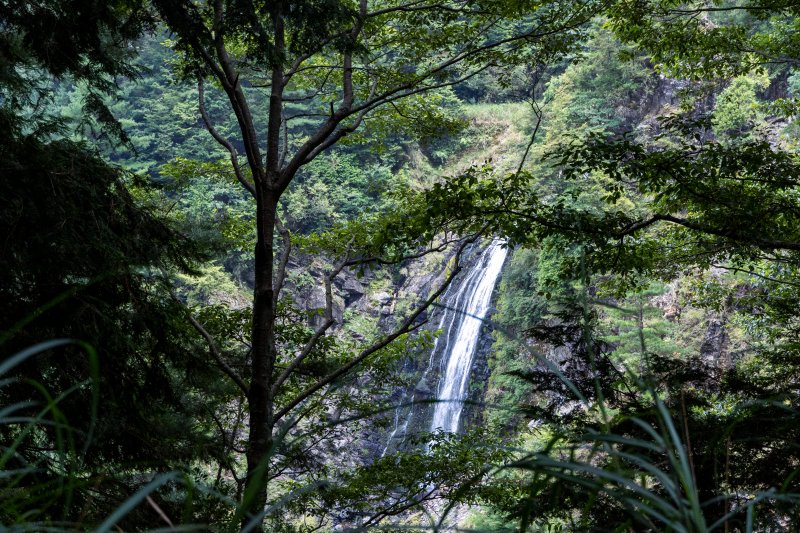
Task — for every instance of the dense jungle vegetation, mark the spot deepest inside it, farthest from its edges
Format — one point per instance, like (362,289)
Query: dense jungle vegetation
(226,226)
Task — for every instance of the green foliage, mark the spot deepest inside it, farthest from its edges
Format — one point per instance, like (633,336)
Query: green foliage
(736,111)
(618,481)
(161,116)
(725,202)
(604,468)
(333,189)
(598,91)
(431,115)
(211,285)
(520,306)
(496,85)
(91,48)
(90,253)
(207,203)
(675,204)
(446,466)
(488,520)
(636,329)
(699,41)
(84,261)
(404,220)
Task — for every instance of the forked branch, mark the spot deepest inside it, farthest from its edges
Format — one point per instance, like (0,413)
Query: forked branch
(222,140)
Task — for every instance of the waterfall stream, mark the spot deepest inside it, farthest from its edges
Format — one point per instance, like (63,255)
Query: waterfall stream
(465,306)
(467,311)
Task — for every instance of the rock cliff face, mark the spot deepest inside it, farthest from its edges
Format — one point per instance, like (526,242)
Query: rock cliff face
(368,303)
(382,295)
(479,379)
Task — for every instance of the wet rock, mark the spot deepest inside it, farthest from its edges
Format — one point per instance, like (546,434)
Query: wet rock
(714,340)
(383,298)
(423,387)
(351,288)
(314,304)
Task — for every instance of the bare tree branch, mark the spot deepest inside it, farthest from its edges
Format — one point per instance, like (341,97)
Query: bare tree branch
(422,6)
(285,149)
(342,132)
(382,261)
(329,320)
(329,126)
(757,275)
(320,331)
(229,79)
(222,140)
(719,232)
(275,114)
(329,132)
(537,111)
(216,354)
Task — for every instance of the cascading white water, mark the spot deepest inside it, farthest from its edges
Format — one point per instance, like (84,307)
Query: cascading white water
(465,306)
(461,325)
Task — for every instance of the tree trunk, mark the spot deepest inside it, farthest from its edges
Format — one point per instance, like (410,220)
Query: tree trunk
(264,352)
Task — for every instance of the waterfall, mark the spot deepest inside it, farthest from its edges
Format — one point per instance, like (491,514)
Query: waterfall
(461,325)
(465,305)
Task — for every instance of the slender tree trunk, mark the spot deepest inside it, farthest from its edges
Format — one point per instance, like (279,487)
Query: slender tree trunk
(264,350)
(261,405)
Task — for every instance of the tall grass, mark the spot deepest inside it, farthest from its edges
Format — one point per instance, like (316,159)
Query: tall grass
(39,495)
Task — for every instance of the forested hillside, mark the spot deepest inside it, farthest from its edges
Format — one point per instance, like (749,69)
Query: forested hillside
(399,266)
